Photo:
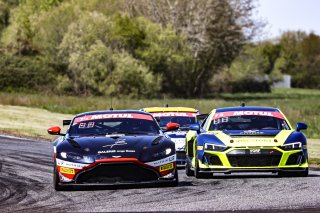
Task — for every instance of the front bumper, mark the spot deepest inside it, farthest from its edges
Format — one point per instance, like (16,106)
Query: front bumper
(252,159)
(118,171)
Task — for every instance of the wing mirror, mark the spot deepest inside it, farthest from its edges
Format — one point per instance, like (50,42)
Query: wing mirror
(172,126)
(301,126)
(194,127)
(55,130)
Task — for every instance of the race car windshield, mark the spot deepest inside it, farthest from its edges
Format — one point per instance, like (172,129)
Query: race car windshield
(114,126)
(183,121)
(249,122)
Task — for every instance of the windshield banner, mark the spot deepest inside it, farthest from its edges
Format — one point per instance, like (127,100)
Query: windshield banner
(110,116)
(240,113)
(174,114)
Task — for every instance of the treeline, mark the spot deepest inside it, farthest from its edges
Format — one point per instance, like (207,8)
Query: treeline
(261,64)
(144,49)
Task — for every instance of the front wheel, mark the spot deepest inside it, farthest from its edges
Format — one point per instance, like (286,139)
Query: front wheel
(189,172)
(304,173)
(176,180)
(197,173)
(56,179)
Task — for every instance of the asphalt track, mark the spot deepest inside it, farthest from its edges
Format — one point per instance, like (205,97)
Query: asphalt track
(26,185)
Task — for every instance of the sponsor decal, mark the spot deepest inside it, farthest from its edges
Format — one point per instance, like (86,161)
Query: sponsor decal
(199,147)
(117,143)
(258,140)
(166,167)
(163,161)
(255,151)
(70,164)
(116,151)
(174,114)
(239,113)
(67,170)
(251,132)
(110,116)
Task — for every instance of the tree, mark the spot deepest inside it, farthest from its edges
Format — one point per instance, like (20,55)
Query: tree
(215,30)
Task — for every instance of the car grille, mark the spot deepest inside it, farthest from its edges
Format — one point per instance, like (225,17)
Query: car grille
(247,158)
(117,172)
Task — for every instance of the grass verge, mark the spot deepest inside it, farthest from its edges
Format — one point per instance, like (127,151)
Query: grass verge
(29,122)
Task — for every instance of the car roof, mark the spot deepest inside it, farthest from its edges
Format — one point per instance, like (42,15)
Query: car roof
(247,108)
(169,109)
(111,112)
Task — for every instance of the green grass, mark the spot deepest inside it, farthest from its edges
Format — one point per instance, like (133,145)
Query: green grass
(297,104)
(29,122)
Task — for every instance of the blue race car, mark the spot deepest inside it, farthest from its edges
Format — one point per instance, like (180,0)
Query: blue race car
(113,147)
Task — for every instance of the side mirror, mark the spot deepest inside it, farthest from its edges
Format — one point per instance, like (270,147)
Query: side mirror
(172,126)
(301,126)
(55,130)
(194,127)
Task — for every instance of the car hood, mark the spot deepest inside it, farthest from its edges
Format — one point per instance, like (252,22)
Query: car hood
(241,133)
(101,147)
(242,138)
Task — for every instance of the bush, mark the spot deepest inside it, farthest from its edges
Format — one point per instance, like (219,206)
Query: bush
(25,73)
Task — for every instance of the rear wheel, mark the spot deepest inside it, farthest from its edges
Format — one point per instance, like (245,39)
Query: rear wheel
(197,173)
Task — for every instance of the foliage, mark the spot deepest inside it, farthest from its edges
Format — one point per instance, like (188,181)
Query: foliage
(25,73)
(215,31)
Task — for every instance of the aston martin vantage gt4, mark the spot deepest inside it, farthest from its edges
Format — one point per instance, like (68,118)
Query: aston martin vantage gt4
(113,147)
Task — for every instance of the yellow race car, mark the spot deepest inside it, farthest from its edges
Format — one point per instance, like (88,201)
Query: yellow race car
(179,117)
(246,139)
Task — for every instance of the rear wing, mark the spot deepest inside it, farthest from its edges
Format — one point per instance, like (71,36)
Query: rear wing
(201,118)
(66,122)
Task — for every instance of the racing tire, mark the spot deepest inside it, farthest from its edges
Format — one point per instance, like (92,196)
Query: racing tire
(56,180)
(197,173)
(176,180)
(294,174)
(189,172)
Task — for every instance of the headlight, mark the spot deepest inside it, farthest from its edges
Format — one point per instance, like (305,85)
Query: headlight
(71,156)
(214,147)
(291,146)
(164,153)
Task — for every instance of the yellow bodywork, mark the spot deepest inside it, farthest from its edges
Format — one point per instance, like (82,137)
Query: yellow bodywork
(169,109)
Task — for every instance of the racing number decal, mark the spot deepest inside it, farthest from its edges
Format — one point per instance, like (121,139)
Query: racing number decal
(166,167)
(83,125)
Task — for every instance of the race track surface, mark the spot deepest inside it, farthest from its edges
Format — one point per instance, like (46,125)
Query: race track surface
(26,185)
